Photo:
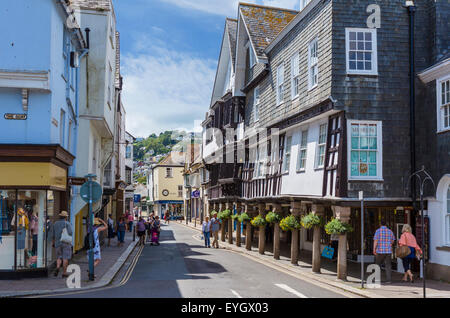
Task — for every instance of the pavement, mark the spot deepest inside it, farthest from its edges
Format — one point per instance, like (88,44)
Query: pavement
(113,259)
(181,267)
(328,275)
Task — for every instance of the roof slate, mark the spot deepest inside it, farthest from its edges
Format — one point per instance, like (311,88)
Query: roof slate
(264,24)
(93,4)
(231,25)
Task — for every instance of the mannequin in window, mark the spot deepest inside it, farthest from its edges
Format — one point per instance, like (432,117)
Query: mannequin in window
(22,227)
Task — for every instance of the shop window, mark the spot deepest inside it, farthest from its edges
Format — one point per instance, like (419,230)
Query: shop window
(7,230)
(23,229)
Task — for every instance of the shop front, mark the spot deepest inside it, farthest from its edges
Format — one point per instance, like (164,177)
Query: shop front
(32,194)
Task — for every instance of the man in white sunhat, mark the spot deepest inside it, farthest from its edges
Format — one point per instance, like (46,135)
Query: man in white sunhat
(61,235)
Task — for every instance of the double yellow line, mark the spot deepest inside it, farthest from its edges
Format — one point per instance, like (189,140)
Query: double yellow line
(131,268)
(124,280)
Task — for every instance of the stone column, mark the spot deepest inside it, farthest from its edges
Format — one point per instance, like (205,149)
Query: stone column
(248,229)
(224,223)
(342,214)
(229,206)
(238,225)
(262,230)
(276,233)
(320,211)
(296,211)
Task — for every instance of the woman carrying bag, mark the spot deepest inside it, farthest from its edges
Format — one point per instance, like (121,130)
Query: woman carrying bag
(408,240)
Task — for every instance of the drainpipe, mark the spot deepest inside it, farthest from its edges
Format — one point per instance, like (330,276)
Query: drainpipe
(412,89)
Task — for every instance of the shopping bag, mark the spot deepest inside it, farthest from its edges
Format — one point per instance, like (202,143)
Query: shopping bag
(328,252)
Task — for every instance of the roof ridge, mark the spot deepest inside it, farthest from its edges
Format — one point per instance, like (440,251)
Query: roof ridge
(231,19)
(266,7)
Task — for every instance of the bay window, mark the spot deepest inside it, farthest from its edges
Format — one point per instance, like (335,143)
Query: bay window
(365,150)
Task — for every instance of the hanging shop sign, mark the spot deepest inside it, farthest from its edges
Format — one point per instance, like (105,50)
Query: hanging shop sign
(16,116)
(74,181)
(196,194)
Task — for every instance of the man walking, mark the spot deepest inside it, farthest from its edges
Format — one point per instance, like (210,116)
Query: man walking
(382,248)
(215,227)
(60,243)
(130,222)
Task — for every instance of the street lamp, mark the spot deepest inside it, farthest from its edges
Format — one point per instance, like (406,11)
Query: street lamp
(423,176)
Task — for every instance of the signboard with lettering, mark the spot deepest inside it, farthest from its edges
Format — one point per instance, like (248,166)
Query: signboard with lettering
(16,116)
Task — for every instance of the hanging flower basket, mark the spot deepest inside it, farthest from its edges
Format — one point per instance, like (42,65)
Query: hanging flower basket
(290,223)
(211,215)
(243,217)
(234,217)
(273,217)
(258,221)
(311,220)
(224,215)
(335,226)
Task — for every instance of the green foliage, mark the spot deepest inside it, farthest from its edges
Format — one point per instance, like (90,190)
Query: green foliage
(310,220)
(258,221)
(290,223)
(155,145)
(273,217)
(224,215)
(243,217)
(235,217)
(164,143)
(142,180)
(335,226)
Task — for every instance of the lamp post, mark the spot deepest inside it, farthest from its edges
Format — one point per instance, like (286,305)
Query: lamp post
(423,176)
(361,198)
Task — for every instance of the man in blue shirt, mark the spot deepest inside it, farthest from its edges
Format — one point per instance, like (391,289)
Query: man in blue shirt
(382,248)
(206,229)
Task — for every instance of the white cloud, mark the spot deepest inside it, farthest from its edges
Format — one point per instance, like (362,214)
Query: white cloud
(165,90)
(229,7)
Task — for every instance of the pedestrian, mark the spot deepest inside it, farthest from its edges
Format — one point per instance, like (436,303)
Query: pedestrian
(130,222)
(334,243)
(111,233)
(60,234)
(382,248)
(167,217)
(120,229)
(408,239)
(215,227)
(99,226)
(156,230)
(206,229)
(140,231)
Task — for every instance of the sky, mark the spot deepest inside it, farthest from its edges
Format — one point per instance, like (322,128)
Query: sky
(169,53)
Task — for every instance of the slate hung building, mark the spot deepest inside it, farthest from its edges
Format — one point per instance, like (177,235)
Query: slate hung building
(335,80)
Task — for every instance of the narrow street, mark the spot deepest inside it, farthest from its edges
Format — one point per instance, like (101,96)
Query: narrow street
(182,268)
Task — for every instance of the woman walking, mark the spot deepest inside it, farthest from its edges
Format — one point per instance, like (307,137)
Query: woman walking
(99,226)
(156,229)
(408,239)
(121,229)
(206,229)
(140,229)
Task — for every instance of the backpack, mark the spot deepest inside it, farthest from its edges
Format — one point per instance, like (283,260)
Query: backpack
(86,242)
